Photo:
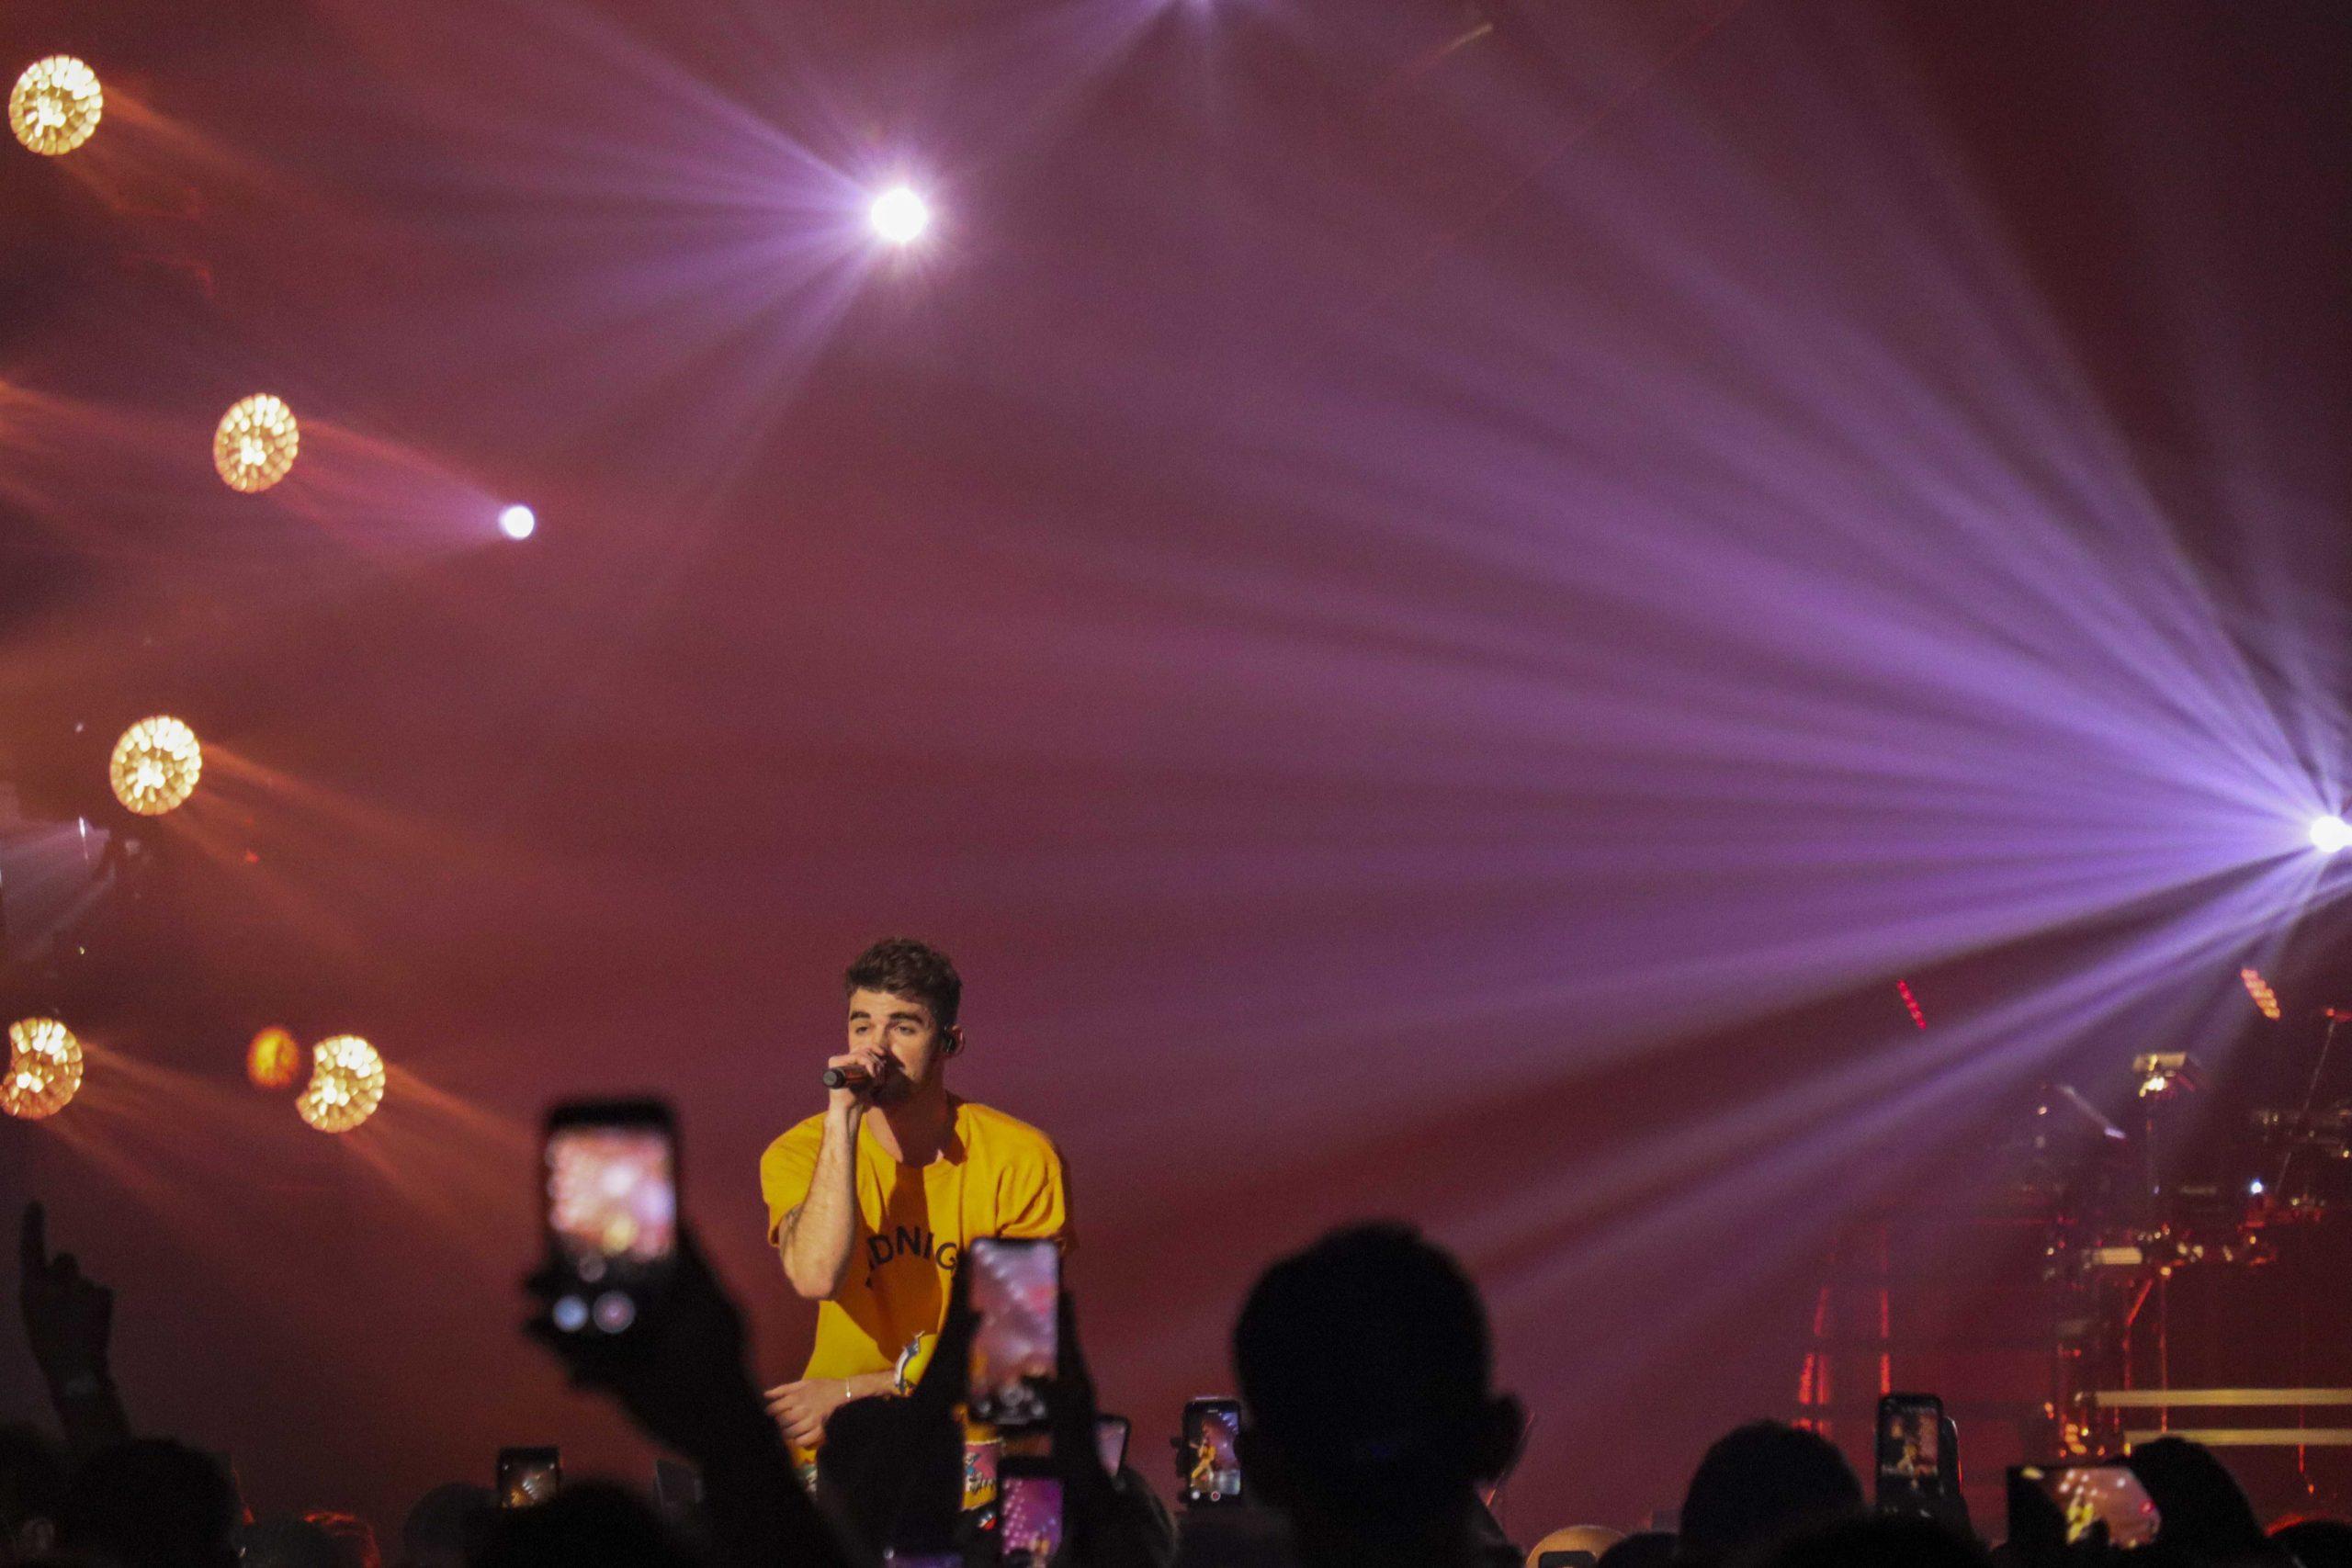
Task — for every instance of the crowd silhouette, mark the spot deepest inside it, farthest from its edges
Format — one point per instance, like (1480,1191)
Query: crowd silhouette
(1371,1426)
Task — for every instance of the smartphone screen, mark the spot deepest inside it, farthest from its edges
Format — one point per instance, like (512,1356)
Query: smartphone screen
(527,1477)
(612,1209)
(1110,1443)
(1029,1529)
(1016,1286)
(1211,1469)
(1910,1450)
(2079,1505)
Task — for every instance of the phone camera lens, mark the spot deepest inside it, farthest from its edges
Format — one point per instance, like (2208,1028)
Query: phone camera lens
(591,1267)
(570,1314)
(614,1312)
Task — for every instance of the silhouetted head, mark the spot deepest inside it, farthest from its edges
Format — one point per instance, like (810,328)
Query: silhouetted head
(1878,1541)
(151,1503)
(592,1524)
(1761,1483)
(2316,1543)
(32,1485)
(286,1543)
(353,1538)
(447,1525)
(1366,1385)
(1643,1549)
(2201,1509)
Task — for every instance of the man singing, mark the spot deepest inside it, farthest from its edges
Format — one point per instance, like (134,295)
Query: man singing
(871,1201)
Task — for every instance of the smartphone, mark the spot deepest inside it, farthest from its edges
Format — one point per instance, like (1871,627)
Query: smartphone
(527,1477)
(612,1211)
(1016,1288)
(1208,1467)
(1029,1517)
(1910,1452)
(1110,1443)
(2053,1507)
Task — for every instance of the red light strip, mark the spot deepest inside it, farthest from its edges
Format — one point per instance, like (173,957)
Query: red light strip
(1911,1003)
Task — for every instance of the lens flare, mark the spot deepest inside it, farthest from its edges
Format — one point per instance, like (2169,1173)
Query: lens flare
(55,106)
(44,1068)
(900,215)
(346,1085)
(274,1060)
(256,443)
(155,765)
(517,522)
(2330,834)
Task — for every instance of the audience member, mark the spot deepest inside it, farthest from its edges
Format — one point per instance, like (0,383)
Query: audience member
(286,1543)
(2316,1543)
(1369,1414)
(2204,1517)
(150,1503)
(1759,1484)
(354,1539)
(1878,1541)
(1643,1549)
(1591,1540)
(447,1526)
(32,1484)
(592,1525)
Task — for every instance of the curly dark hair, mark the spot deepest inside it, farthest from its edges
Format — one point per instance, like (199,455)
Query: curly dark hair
(905,967)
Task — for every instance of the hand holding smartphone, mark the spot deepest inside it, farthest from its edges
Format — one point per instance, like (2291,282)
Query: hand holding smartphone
(528,1476)
(1912,1467)
(612,1211)
(1209,1465)
(2057,1510)
(1015,1294)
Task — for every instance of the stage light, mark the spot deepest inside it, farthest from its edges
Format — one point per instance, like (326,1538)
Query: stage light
(347,1084)
(155,765)
(2265,1000)
(56,105)
(273,1060)
(517,522)
(256,443)
(44,1068)
(2330,834)
(900,215)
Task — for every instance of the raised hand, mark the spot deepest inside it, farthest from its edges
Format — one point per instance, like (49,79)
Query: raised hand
(68,1318)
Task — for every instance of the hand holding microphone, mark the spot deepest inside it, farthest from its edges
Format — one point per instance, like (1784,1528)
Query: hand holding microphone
(855,1073)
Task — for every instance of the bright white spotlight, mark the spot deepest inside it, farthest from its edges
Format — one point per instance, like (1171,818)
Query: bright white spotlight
(900,215)
(2330,834)
(516,521)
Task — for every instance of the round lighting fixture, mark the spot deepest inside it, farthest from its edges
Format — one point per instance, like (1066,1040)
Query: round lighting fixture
(44,1068)
(155,765)
(256,443)
(55,105)
(347,1084)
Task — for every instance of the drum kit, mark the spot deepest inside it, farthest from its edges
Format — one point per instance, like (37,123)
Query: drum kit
(2154,1274)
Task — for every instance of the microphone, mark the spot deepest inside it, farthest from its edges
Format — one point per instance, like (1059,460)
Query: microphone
(847,1077)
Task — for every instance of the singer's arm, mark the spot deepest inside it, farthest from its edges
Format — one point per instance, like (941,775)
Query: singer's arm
(818,1236)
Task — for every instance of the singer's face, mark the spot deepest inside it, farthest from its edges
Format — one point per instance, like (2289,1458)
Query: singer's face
(900,1037)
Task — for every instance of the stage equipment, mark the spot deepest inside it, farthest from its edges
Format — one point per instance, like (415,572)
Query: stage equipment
(274,1060)
(44,1068)
(517,522)
(2330,834)
(256,443)
(900,215)
(2265,1000)
(347,1084)
(56,105)
(2165,1075)
(155,765)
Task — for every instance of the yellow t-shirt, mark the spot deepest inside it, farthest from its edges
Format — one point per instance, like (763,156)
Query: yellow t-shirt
(996,1177)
